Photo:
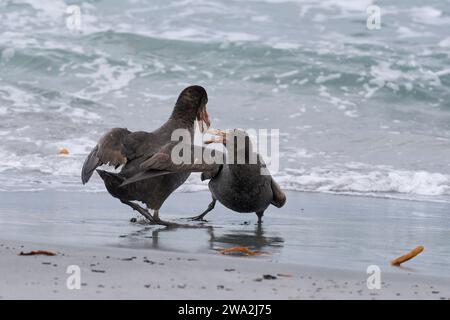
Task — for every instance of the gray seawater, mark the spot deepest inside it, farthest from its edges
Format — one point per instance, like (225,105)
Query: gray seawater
(360,111)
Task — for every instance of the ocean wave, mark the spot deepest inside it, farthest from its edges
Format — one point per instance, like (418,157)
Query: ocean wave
(336,90)
(105,77)
(380,182)
(344,6)
(62,173)
(103,74)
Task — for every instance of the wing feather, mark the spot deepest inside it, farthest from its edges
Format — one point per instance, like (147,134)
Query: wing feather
(109,150)
(161,163)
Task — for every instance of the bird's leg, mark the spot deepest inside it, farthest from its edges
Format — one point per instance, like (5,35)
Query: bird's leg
(163,222)
(260,215)
(201,216)
(154,219)
(139,209)
(157,220)
(156,215)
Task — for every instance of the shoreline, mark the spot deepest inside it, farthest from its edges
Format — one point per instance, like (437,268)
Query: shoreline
(186,189)
(124,273)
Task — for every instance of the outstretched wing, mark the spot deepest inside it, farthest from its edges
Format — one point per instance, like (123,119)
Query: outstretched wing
(279,198)
(109,150)
(163,162)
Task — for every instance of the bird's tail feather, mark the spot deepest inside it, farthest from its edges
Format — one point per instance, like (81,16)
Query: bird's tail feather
(112,182)
(110,177)
(89,165)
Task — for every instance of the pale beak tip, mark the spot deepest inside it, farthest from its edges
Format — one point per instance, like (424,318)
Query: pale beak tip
(214,140)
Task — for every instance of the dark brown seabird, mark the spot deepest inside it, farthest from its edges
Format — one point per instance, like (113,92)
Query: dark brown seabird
(239,186)
(121,147)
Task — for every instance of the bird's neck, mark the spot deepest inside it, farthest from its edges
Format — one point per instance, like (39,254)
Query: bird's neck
(246,162)
(175,122)
(182,117)
(184,113)
(168,129)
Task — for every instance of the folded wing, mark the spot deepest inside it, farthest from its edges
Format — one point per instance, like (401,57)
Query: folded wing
(109,150)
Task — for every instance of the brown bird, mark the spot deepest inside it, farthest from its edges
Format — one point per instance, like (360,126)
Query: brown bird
(121,147)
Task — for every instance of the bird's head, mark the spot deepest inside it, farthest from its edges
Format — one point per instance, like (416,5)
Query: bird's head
(191,105)
(235,140)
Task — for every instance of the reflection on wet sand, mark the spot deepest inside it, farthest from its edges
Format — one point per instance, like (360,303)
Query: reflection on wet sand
(254,239)
(212,238)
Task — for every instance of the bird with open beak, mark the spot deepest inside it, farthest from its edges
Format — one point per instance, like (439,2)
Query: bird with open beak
(121,147)
(203,119)
(239,186)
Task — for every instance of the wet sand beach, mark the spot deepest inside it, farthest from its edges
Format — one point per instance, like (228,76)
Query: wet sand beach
(317,247)
(119,273)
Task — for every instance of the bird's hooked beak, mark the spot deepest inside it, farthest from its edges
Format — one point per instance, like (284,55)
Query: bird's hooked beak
(203,119)
(221,136)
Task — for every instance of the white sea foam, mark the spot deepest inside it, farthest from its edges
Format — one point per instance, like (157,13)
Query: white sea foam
(322,78)
(53,9)
(284,45)
(62,172)
(445,43)
(340,103)
(79,115)
(347,5)
(106,77)
(405,32)
(287,74)
(368,183)
(263,18)
(160,97)
(18,99)
(429,15)
(383,72)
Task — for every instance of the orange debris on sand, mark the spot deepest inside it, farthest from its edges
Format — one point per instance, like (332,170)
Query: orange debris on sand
(63,152)
(414,252)
(244,250)
(287,275)
(38,252)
